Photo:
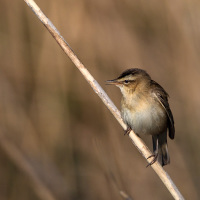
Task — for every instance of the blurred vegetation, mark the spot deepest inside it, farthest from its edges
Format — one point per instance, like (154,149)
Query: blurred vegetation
(57,139)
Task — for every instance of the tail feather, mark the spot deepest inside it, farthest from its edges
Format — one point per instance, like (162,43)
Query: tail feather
(160,148)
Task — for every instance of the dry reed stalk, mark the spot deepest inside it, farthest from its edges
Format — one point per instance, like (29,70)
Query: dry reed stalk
(143,149)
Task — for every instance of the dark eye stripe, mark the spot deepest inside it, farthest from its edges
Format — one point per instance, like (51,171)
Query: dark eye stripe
(128,81)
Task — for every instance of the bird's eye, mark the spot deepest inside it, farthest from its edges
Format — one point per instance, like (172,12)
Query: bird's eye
(126,81)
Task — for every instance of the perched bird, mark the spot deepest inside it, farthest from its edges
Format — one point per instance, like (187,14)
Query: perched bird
(145,110)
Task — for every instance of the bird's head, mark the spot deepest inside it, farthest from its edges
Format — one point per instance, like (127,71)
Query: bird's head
(131,80)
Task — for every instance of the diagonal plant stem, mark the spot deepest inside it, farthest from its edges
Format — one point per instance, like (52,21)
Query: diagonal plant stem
(143,149)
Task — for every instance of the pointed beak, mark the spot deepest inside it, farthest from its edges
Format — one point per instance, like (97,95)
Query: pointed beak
(113,82)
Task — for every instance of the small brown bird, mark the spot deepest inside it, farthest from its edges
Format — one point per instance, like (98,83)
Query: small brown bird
(145,110)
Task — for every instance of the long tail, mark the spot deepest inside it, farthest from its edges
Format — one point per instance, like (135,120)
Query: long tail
(160,148)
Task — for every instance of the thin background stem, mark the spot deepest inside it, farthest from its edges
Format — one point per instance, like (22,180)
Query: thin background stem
(143,149)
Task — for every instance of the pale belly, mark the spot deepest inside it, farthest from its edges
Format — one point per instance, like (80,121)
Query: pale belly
(146,119)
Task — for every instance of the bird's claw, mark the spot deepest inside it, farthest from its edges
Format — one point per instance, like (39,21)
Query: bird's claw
(127,131)
(154,160)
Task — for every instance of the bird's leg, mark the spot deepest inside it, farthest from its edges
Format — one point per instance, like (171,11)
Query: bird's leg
(155,155)
(127,131)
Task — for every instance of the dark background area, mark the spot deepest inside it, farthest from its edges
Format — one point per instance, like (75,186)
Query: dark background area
(57,139)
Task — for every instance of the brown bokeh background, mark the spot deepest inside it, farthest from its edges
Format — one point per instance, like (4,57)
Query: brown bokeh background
(57,139)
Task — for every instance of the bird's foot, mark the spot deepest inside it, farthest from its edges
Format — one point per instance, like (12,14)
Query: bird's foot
(127,131)
(155,155)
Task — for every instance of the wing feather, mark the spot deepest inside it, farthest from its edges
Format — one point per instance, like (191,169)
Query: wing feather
(162,96)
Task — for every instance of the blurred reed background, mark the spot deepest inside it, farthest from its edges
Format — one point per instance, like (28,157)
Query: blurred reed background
(57,139)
